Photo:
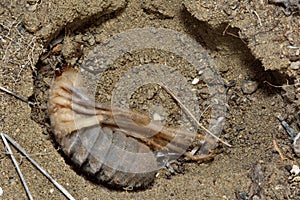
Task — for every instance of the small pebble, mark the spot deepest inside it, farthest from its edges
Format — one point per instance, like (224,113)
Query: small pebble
(157,117)
(2,39)
(295,170)
(243,195)
(85,38)
(31,8)
(295,65)
(249,87)
(1,191)
(92,41)
(195,81)
(78,38)
(51,191)
(288,167)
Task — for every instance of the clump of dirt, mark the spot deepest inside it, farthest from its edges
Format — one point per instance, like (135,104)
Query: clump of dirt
(250,42)
(47,20)
(270,32)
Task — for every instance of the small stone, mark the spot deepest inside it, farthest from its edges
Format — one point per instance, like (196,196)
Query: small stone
(1,38)
(78,38)
(157,117)
(295,65)
(51,190)
(91,41)
(288,167)
(195,81)
(243,195)
(31,8)
(150,94)
(1,191)
(295,170)
(256,197)
(85,38)
(249,87)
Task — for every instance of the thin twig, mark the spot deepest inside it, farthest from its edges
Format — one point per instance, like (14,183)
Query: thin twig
(204,111)
(17,96)
(57,185)
(278,150)
(194,118)
(225,30)
(16,166)
(281,86)
(259,20)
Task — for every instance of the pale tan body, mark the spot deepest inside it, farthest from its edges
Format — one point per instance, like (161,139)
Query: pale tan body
(80,126)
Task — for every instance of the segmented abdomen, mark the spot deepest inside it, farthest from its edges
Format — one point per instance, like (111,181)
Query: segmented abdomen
(104,153)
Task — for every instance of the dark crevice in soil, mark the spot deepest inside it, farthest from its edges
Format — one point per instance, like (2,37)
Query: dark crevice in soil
(212,38)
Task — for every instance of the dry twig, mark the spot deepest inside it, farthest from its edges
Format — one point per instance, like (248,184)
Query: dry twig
(259,20)
(194,118)
(44,172)
(16,166)
(17,96)
(278,150)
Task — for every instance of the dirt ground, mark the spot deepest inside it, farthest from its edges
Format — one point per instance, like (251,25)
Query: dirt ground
(254,42)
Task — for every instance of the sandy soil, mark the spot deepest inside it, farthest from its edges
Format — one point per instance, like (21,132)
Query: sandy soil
(248,41)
